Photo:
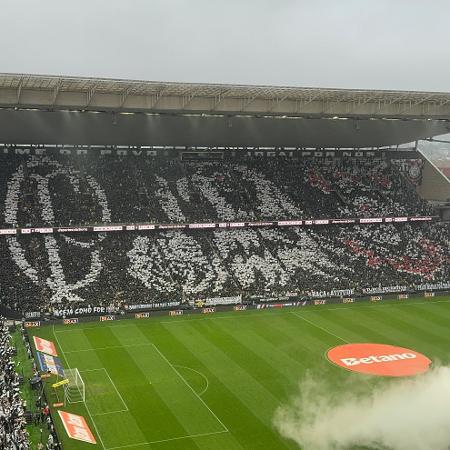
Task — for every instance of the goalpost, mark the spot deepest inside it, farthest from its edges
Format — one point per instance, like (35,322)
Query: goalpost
(74,390)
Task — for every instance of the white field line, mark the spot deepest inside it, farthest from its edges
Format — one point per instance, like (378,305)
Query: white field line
(225,429)
(85,404)
(196,371)
(318,326)
(144,344)
(115,388)
(102,325)
(189,436)
(110,412)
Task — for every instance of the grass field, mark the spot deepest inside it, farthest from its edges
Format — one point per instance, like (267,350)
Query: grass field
(214,382)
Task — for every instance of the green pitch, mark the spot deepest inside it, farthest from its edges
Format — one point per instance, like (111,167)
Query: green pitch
(214,382)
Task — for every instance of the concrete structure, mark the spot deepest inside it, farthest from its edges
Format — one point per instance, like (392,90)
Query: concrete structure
(73,93)
(71,110)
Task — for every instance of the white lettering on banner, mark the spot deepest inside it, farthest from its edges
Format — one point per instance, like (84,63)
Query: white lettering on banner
(156,305)
(384,289)
(8,231)
(377,359)
(432,286)
(196,153)
(283,223)
(76,427)
(180,226)
(109,228)
(222,300)
(201,225)
(145,227)
(371,220)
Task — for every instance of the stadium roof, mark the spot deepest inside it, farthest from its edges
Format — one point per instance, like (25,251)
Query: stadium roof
(77,93)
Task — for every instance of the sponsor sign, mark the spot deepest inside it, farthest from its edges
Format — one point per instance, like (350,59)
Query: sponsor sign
(70,321)
(208,310)
(32,324)
(143,315)
(176,312)
(348,300)
(44,346)
(50,364)
(76,427)
(403,296)
(319,302)
(186,226)
(240,307)
(379,359)
(428,294)
(8,231)
(376,298)
(60,383)
(106,318)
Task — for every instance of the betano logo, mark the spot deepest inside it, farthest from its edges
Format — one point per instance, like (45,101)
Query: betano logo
(379,359)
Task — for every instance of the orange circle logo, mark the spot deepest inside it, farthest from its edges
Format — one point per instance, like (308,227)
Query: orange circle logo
(379,359)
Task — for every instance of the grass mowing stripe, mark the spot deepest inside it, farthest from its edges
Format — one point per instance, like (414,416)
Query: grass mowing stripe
(249,359)
(265,348)
(110,347)
(136,332)
(364,328)
(248,405)
(148,404)
(321,328)
(248,431)
(407,326)
(189,386)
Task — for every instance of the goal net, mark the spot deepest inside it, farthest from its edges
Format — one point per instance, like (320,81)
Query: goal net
(74,390)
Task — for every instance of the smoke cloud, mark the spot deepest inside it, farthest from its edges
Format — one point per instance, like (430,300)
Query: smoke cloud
(399,414)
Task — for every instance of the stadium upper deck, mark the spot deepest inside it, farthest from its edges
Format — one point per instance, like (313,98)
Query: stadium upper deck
(132,95)
(212,114)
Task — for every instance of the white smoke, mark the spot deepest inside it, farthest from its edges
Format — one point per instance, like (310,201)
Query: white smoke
(400,414)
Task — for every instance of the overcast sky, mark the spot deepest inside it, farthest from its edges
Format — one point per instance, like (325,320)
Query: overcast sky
(378,44)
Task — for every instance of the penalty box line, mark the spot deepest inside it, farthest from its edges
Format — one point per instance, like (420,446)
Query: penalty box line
(115,388)
(188,436)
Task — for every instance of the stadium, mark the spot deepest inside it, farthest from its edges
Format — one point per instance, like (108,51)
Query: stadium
(194,266)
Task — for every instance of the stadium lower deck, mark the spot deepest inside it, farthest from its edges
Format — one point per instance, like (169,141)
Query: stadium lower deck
(216,382)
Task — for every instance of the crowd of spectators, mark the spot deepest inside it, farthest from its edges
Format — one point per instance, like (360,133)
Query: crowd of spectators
(13,434)
(51,272)
(168,266)
(45,191)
